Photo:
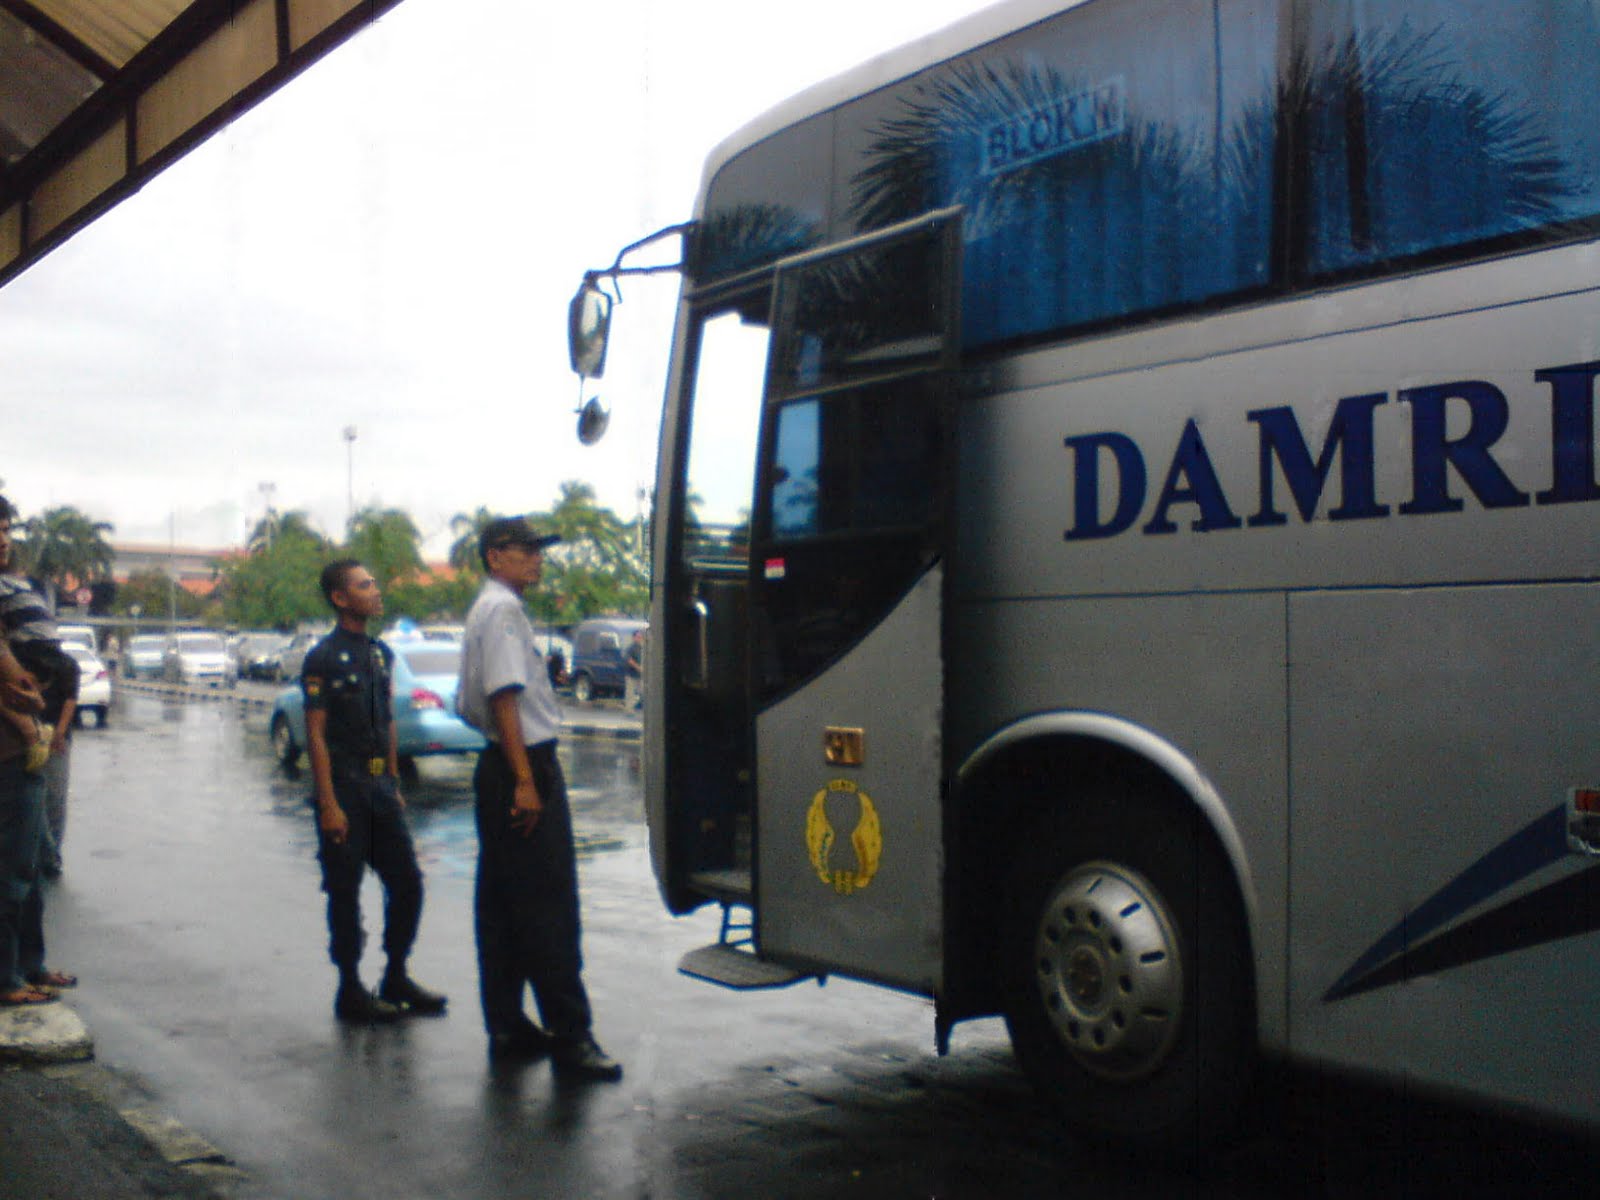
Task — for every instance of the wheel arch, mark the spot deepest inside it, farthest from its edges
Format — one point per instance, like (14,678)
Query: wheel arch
(996,795)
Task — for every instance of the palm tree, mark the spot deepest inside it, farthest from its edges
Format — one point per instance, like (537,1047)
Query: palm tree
(468,527)
(386,541)
(65,546)
(277,527)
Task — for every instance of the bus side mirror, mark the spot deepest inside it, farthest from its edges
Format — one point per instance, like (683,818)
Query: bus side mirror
(588,327)
(593,418)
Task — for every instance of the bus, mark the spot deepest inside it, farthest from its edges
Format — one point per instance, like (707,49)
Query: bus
(1125,554)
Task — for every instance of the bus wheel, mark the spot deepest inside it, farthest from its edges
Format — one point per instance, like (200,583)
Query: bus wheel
(583,689)
(1128,979)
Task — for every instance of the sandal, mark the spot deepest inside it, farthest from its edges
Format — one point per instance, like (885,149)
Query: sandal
(53,979)
(25,996)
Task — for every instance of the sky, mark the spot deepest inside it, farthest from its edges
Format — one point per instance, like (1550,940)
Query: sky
(389,243)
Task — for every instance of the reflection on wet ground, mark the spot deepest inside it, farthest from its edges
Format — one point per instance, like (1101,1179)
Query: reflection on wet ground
(190,905)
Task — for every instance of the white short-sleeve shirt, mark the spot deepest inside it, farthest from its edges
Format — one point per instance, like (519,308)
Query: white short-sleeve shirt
(497,653)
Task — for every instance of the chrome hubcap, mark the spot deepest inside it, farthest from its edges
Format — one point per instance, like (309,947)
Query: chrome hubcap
(1109,970)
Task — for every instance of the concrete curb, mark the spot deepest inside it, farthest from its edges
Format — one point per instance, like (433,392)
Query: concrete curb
(623,732)
(176,1144)
(615,733)
(183,691)
(41,1034)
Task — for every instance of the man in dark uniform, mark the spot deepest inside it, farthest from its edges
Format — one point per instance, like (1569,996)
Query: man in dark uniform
(526,903)
(360,812)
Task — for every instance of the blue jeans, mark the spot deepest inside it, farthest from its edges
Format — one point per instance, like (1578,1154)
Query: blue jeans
(21,902)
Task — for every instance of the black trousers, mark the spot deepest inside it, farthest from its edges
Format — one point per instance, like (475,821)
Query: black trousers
(526,902)
(380,839)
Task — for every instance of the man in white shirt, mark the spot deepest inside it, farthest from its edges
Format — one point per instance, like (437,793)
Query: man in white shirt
(526,902)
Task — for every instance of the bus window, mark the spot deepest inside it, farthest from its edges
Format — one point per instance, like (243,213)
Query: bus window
(725,416)
(864,461)
(1434,123)
(1106,169)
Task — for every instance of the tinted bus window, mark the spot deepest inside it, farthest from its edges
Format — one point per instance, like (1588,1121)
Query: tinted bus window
(1437,123)
(1114,160)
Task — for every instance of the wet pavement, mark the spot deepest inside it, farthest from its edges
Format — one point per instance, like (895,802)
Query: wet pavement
(190,906)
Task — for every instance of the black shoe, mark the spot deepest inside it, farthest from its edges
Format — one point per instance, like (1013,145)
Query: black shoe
(360,1007)
(409,996)
(583,1059)
(521,1045)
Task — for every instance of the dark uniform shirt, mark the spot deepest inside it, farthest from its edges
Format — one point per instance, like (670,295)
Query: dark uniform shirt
(347,675)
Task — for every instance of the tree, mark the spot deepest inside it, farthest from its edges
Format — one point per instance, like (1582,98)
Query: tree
(275,584)
(464,550)
(65,547)
(277,587)
(151,590)
(596,568)
(386,541)
(296,523)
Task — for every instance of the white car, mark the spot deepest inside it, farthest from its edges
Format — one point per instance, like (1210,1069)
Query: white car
(94,683)
(198,658)
(79,635)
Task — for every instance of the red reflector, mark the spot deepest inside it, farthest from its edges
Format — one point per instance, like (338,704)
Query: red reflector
(1586,800)
(423,698)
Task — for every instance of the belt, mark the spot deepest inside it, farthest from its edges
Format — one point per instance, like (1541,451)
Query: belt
(376,766)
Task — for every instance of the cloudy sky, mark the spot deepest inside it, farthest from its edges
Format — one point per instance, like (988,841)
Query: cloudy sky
(390,243)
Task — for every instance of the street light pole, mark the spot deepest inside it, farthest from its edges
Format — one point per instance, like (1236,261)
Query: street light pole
(350,475)
(172,571)
(268,490)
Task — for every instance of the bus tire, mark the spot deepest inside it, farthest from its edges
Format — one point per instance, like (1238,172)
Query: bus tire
(1127,974)
(583,689)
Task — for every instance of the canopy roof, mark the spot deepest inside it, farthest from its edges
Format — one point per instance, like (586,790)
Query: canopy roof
(97,96)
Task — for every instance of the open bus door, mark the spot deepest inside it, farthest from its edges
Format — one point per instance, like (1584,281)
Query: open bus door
(804,659)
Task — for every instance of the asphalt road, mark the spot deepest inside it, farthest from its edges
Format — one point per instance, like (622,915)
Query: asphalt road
(190,906)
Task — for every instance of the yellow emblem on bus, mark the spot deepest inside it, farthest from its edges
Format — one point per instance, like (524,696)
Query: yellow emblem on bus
(866,838)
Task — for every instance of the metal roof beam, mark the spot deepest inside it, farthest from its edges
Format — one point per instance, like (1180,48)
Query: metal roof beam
(61,38)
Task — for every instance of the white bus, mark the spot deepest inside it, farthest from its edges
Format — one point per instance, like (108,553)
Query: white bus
(1126,550)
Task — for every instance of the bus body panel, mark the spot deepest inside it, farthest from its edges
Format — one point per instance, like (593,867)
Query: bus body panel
(849,856)
(1441,924)
(1191,428)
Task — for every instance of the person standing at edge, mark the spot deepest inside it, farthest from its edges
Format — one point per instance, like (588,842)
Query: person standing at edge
(526,902)
(361,821)
(28,646)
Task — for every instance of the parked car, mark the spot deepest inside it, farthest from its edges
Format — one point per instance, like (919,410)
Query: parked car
(94,684)
(598,646)
(293,656)
(79,635)
(423,704)
(142,656)
(259,655)
(197,658)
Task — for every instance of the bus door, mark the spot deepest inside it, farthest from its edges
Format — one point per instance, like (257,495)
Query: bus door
(846,605)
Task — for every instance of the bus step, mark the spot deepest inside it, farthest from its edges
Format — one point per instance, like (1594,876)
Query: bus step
(738,969)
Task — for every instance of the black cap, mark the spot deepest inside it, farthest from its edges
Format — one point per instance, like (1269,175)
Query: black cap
(513,531)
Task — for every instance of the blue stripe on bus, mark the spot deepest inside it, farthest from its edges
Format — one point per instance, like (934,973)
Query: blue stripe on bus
(1537,845)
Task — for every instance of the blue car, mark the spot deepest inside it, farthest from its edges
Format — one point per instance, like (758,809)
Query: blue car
(424,707)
